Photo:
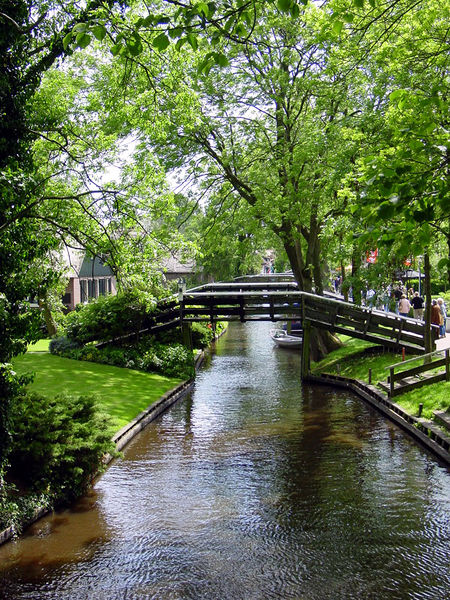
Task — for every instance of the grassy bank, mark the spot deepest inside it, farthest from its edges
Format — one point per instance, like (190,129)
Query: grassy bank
(122,393)
(351,361)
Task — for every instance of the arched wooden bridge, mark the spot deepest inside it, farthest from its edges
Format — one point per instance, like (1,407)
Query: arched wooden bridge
(282,301)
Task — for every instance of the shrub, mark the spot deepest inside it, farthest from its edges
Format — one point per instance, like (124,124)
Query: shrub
(61,345)
(173,360)
(109,317)
(58,443)
(202,335)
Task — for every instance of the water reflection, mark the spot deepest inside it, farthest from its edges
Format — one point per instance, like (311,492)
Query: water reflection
(254,487)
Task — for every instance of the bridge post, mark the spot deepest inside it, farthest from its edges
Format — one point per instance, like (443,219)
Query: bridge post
(186,332)
(306,349)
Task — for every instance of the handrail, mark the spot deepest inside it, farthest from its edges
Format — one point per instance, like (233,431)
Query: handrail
(420,357)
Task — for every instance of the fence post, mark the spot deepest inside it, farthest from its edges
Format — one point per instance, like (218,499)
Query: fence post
(447,365)
(370,376)
(391,382)
(186,330)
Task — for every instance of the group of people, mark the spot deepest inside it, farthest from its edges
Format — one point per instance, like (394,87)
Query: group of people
(439,315)
(405,300)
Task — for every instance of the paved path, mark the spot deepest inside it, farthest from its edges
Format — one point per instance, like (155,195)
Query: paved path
(443,343)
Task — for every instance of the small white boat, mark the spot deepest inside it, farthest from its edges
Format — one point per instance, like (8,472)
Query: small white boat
(285,340)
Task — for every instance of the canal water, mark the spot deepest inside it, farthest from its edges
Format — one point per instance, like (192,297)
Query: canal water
(252,488)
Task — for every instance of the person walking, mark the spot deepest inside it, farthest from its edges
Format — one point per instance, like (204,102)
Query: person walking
(442,317)
(435,318)
(397,293)
(404,306)
(417,304)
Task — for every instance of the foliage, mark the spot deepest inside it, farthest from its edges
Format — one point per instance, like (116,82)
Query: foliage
(202,335)
(122,393)
(58,443)
(108,317)
(60,345)
(171,360)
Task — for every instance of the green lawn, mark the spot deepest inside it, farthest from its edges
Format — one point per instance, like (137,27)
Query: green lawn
(39,346)
(349,362)
(123,393)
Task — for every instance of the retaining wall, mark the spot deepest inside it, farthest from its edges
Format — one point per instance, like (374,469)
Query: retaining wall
(423,431)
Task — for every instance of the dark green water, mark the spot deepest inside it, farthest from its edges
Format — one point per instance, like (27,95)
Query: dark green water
(254,487)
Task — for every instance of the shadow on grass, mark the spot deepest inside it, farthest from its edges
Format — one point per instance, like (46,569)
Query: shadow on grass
(122,393)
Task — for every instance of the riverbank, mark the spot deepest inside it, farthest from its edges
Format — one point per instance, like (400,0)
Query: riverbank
(132,398)
(362,367)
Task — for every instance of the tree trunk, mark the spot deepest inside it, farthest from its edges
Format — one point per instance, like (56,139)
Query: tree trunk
(322,342)
(356,287)
(50,322)
(429,341)
(448,254)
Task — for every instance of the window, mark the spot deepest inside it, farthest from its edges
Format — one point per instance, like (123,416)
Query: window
(91,288)
(102,287)
(83,290)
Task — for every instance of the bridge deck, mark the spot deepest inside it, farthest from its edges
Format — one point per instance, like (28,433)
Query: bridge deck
(282,301)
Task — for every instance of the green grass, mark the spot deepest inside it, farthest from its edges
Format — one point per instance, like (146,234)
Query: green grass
(433,397)
(39,346)
(349,362)
(122,393)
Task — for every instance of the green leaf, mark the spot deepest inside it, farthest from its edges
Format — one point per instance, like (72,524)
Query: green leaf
(284,5)
(134,47)
(99,32)
(386,210)
(348,17)
(83,40)
(148,21)
(396,94)
(220,59)
(192,40)
(180,43)
(358,3)
(443,263)
(67,39)
(203,8)
(161,42)
(337,27)
(175,33)
(372,3)
(295,11)
(80,28)
(116,49)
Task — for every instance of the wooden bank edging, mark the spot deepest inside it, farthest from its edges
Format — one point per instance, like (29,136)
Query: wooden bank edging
(421,430)
(125,435)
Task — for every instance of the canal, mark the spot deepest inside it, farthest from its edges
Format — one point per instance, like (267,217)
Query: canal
(251,488)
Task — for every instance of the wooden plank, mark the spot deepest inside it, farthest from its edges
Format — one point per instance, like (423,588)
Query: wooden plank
(419,369)
(408,386)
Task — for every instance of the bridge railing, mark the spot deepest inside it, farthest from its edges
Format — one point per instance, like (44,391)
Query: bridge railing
(263,301)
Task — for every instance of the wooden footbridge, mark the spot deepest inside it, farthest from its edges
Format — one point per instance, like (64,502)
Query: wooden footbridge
(282,301)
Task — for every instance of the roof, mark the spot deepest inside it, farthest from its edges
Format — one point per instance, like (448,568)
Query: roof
(172,264)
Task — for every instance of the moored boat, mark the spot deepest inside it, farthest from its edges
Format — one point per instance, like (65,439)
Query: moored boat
(284,339)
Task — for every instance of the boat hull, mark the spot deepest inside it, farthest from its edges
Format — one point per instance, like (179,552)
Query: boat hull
(285,340)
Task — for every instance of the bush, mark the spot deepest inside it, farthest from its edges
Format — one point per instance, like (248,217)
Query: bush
(61,345)
(58,443)
(175,360)
(202,335)
(109,317)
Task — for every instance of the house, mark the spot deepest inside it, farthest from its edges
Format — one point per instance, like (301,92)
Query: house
(174,269)
(88,278)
